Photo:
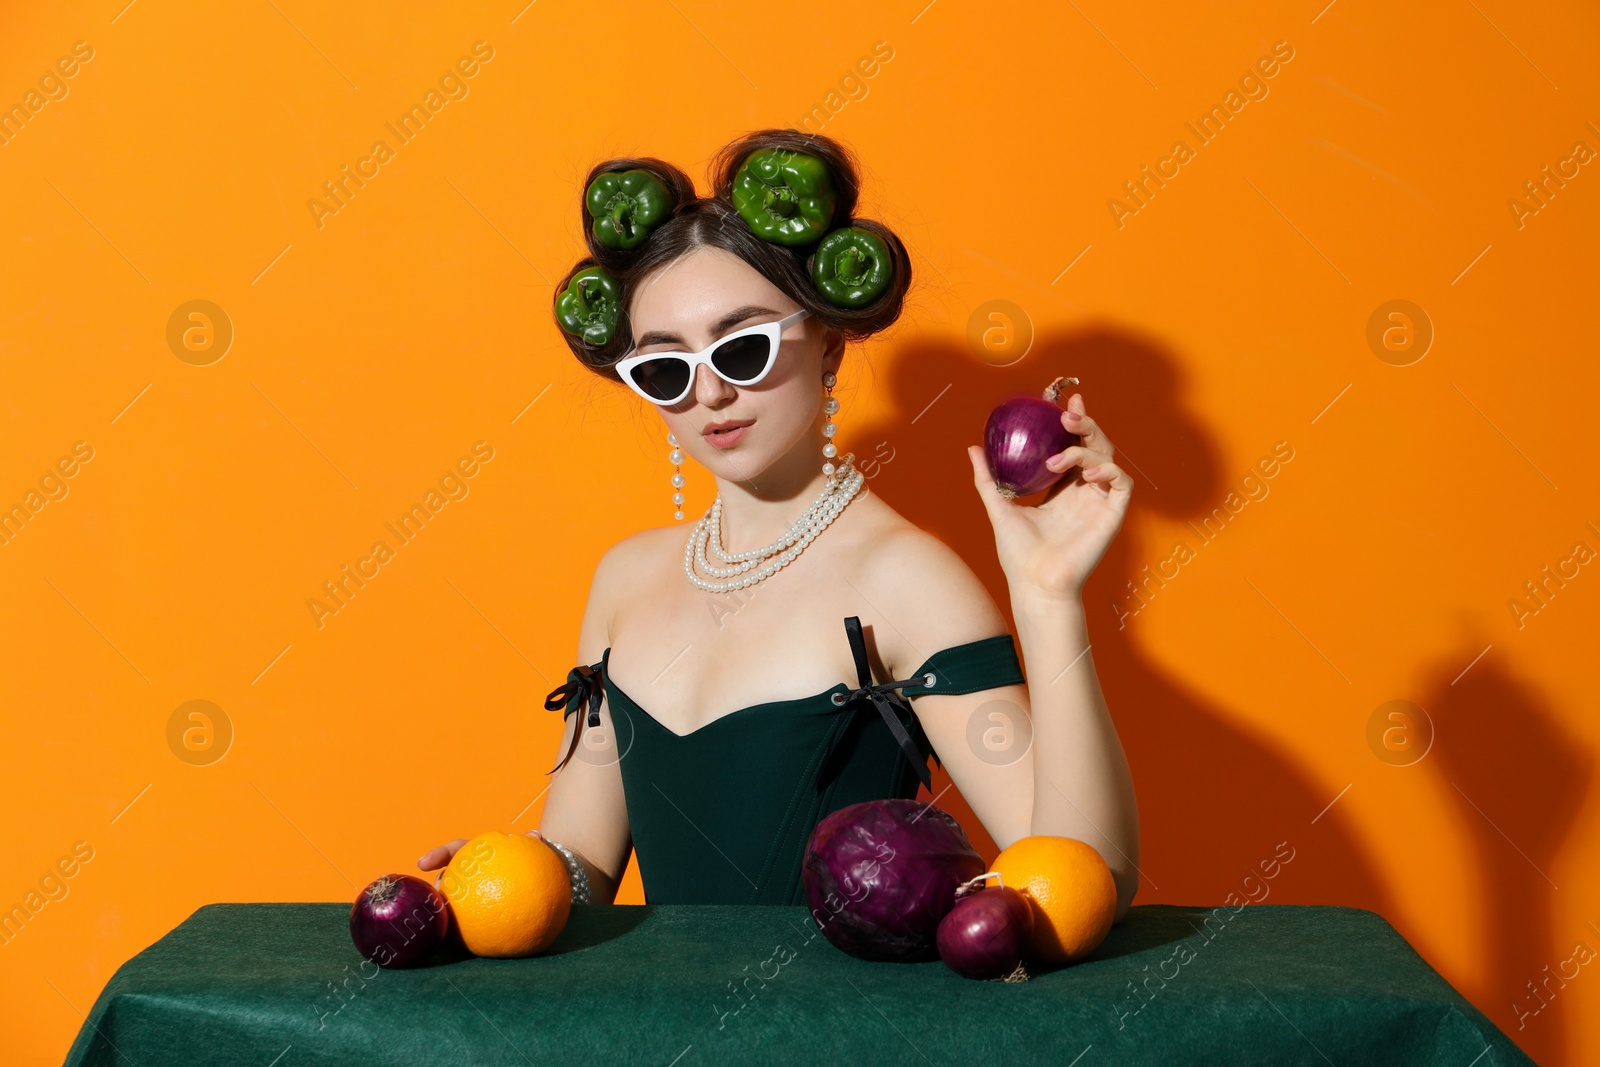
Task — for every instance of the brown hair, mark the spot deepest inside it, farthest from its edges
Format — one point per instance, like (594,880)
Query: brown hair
(698,222)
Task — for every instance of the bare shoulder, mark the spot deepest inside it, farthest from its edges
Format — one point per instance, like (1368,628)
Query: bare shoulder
(929,595)
(631,558)
(626,566)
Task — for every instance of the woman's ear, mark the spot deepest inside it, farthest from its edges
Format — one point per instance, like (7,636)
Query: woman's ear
(833,349)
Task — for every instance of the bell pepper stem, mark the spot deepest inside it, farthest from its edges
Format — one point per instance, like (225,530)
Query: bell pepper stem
(851,268)
(781,201)
(621,216)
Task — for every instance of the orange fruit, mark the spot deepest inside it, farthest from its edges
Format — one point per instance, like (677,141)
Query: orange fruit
(509,894)
(1069,889)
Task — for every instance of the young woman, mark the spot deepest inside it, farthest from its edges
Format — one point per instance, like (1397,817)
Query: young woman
(842,644)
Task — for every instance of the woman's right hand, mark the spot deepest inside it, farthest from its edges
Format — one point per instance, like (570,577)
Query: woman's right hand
(441,856)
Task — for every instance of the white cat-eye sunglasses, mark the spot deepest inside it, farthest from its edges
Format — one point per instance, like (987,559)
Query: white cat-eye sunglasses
(744,357)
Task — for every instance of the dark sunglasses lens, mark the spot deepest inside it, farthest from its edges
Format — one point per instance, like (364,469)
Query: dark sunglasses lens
(742,358)
(663,378)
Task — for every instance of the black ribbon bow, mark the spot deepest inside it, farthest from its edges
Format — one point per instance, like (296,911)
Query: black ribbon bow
(889,703)
(583,685)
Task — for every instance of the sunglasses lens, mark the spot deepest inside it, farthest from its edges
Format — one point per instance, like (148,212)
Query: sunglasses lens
(662,379)
(742,358)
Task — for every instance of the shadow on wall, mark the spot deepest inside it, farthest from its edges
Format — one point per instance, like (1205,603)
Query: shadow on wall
(1213,801)
(1517,779)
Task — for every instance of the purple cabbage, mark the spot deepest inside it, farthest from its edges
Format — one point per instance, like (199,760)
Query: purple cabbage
(879,876)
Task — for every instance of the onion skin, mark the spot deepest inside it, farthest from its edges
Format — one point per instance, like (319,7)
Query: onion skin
(987,934)
(1020,435)
(399,920)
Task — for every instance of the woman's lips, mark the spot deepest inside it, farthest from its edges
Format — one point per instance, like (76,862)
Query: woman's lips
(727,438)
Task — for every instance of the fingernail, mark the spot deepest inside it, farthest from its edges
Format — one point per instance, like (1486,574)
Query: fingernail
(1088,471)
(420,859)
(1074,416)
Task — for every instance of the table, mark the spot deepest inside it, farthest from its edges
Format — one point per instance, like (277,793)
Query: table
(281,985)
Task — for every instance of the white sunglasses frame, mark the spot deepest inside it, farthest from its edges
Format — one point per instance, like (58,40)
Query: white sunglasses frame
(773,330)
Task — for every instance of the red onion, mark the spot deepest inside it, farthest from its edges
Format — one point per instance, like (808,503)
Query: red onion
(1020,435)
(398,921)
(987,934)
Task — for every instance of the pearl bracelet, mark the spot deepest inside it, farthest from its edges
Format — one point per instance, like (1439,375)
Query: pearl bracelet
(575,872)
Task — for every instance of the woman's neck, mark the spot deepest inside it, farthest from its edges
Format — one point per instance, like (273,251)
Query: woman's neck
(757,511)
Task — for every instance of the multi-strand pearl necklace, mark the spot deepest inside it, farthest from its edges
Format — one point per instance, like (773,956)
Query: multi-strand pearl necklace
(840,490)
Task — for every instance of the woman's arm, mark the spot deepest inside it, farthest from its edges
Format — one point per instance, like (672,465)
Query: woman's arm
(1082,786)
(1040,758)
(584,808)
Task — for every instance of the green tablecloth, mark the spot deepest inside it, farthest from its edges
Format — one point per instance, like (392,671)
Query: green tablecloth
(684,985)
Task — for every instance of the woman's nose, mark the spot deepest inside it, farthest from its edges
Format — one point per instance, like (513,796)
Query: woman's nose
(708,387)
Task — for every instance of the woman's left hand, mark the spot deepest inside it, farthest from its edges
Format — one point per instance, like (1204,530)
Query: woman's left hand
(1048,550)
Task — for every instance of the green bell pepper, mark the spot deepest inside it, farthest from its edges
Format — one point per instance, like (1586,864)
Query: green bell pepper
(590,306)
(852,267)
(786,197)
(626,205)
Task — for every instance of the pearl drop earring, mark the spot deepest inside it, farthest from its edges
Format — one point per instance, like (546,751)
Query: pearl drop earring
(676,458)
(830,407)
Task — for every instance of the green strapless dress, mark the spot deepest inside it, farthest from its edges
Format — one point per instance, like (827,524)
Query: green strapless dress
(721,815)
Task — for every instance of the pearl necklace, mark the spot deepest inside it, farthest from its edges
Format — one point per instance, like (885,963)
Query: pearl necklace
(840,490)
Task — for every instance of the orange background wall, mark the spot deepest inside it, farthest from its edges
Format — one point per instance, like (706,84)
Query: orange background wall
(370,352)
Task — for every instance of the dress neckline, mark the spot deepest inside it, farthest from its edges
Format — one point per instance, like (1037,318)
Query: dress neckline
(703,727)
(815,698)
